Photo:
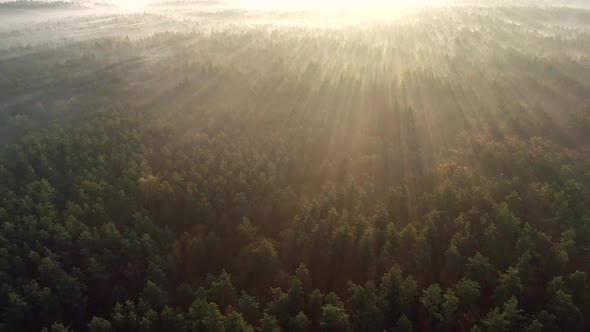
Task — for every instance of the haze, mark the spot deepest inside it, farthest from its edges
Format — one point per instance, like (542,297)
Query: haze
(295,166)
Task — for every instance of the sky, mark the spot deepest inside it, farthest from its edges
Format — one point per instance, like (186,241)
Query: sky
(296,3)
(342,4)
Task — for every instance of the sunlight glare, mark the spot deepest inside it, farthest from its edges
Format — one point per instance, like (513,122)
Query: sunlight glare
(337,5)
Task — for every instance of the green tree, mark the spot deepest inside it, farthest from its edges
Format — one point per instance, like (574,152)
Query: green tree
(302,273)
(468,291)
(59,327)
(397,294)
(334,300)
(169,319)
(248,306)
(222,291)
(567,313)
(295,296)
(334,319)
(509,285)
(98,324)
(212,319)
(440,306)
(269,324)
(403,325)
(315,301)
(258,264)
(510,318)
(154,295)
(235,322)
(496,322)
(298,323)
(480,270)
(363,305)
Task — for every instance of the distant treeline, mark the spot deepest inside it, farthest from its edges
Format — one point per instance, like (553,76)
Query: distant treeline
(40,5)
(187,3)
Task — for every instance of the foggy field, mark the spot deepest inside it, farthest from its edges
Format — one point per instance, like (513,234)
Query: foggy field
(261,166)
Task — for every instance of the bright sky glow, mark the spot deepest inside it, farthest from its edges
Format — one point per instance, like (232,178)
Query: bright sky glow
(331,5)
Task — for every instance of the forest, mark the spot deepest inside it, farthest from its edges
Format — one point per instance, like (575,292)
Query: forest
(214,168)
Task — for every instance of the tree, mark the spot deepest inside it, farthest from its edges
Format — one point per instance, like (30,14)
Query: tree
(441,307)
(509,285)
(258,264)
(299,323)
(334,319)
(334,300)
(246,231)
(17,310)
(509,319)
(295,296)
(171,320)
(302,273)
(403,325)
(397,294)
(514,315)
(222,291)
(213,320)
(154,295)
(366,250)
(363,306)
(468,292)
(454,262)
(496,322)
(248,306)
(535,326)
(235,322)
(269,324)
(567,313)
(314,305)
(98,324)
(480,270)
(278,307)
(59,327)
(204,316)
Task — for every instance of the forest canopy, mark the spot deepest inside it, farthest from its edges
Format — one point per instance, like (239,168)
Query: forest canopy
(223,169)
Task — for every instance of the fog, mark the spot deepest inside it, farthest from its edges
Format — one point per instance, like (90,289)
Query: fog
(328,166)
